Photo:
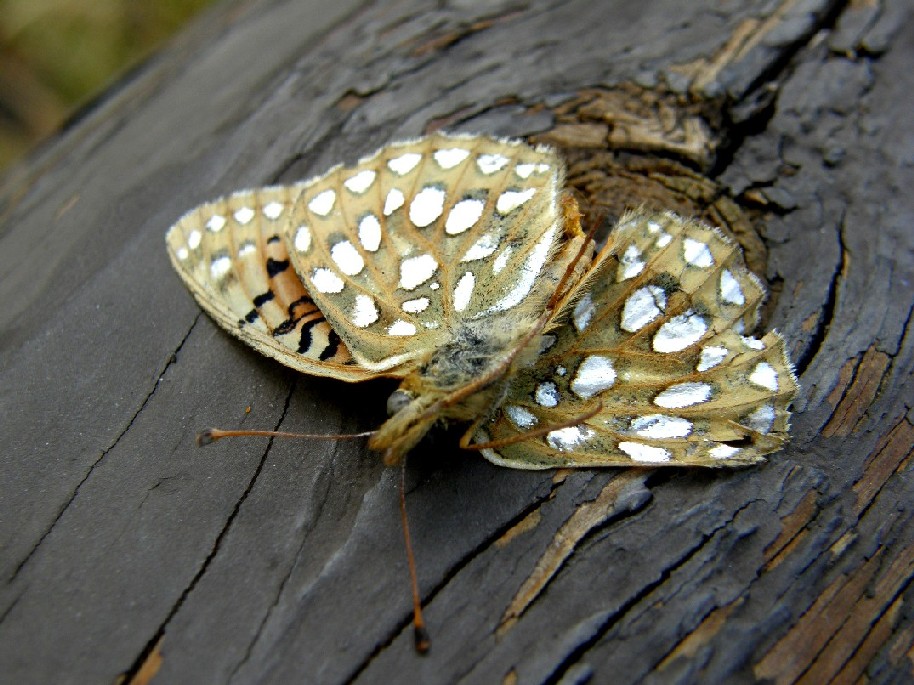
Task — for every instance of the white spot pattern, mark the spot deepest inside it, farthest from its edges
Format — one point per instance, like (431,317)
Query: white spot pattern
(546,394)
(583,312)
(401,328)
(482,248)
(764,376)
(361,182)
(244,215)
(643,306)
(273,210)
(680,332)
(594,375)
(364,312)
(450,157)
(463,216)
(394,201)
(325,281)
(510,200)
(491,163)
(417,270)
(216,223)
(631,263)
(302,239)
(661,427)
(193,240)
(722,452)
(761,419)
(697,253)
(645,453)
(370,232)
(464,291)
(220,266)
(520,416)
(683,395)
(405,163)
(730,290)
(322,203)
(420,304)
(426,206)
(711,357)
(568,438)
(347,258)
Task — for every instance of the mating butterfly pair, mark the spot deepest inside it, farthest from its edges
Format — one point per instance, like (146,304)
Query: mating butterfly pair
(456,264)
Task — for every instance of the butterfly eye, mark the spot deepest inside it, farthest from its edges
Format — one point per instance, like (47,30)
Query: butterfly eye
(397,400)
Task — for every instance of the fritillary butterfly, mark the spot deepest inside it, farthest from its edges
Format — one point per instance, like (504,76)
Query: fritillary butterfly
(457,264)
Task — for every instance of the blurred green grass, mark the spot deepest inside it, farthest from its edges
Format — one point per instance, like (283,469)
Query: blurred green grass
(55,55)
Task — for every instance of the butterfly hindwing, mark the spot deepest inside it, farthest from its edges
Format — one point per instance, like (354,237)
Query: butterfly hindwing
(231,254)
(648,349)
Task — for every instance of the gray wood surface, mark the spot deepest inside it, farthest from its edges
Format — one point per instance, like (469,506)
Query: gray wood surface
(126,551)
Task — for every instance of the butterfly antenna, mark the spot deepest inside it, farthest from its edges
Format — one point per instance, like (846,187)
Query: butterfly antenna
(210,435)
(420,633)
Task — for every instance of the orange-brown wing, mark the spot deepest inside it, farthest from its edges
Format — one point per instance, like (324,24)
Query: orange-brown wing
(232,255)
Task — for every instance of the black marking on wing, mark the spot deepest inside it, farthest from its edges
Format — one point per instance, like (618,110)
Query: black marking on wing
(263,298)
(289,324)
(251,316)
(276,266)
(304,343)
(333,344)
(273,239)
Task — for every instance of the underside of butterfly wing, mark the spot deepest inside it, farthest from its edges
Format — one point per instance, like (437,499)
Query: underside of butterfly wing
(405,250)
(232,256)
(651,349)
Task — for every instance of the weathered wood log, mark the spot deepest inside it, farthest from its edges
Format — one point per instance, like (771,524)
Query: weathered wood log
(126,551)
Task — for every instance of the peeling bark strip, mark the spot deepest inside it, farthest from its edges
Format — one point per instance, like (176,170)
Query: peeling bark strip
(788,122)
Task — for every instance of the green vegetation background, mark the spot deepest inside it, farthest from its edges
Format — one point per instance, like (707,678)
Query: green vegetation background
(55,55)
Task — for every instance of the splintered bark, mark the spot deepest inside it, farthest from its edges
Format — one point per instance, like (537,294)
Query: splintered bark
(128,553)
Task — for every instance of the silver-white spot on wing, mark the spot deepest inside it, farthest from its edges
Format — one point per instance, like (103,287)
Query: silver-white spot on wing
(583,312)
(631,264)
(501,261)
(450,157)
(322,203)
(415,271)
(216,223)
(764,376)
(761,419)
(401,327)
(273,210)
(182,253)
(325,281)
(364,312)
(664,239)
(490,163)
(531,269)
(520,417)
(463,291)
(752,343)
(645,453)
(546,394)
(420,304)
(697,253)
(302,239)
(246,248)
(661,427)
(683,395)
(347,258)
(220,266)
(643,306)
(730,290)
(710,357)
(525,170)
(680,332)
(595,374)
(568,438)
(482,248)
(394,201)
(405,163)
(722,452)
(361,182)
(463,216)
(426,206)
(244,215)
(370,232)
(193,240)
(510,200)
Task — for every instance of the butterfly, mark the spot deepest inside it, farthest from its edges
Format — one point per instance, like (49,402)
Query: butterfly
(457,264)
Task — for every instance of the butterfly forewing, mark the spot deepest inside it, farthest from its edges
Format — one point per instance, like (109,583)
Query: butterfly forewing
(651,342)
(232,255)
(399,249)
